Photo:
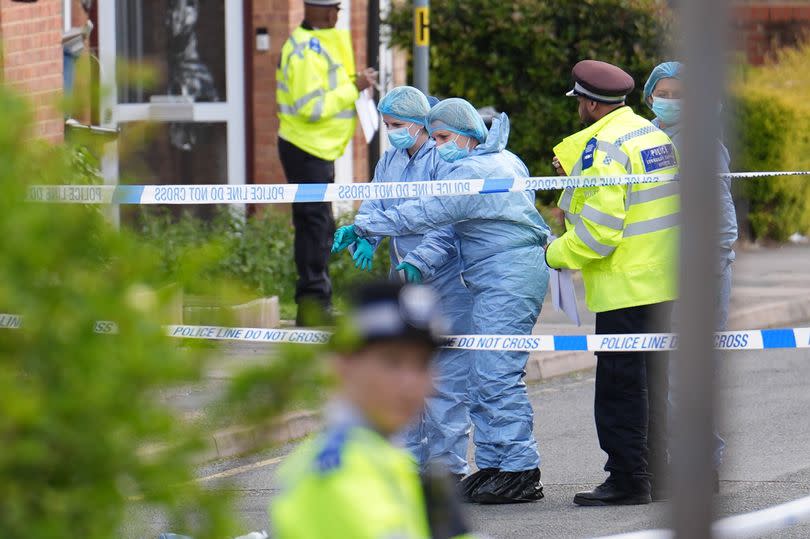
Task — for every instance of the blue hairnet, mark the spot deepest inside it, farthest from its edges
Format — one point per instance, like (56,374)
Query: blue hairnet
(457,116)
(667,70)
(433,100)
(405,103)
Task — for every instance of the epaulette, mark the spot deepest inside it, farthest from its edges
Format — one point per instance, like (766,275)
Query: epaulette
(330,456)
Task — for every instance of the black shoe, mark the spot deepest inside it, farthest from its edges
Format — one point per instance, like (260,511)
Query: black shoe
(470,484)
(612,493)
(313,315)
(510,487)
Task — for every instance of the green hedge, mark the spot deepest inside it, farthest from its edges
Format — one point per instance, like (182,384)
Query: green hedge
(254,253)
(772,115)
(517,56)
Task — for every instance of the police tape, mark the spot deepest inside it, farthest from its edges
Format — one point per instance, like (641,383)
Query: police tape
(336,192)
(744,526)
(756,339)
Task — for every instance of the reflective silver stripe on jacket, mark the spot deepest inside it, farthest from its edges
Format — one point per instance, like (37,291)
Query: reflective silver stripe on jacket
(345,114)
(614,153)
(298,48)
(601,218)
(654,193)
(565,206)
(635,134)
(565,200)
(587,238)
(333,67)
(302,101)
(317,111)
(652,225)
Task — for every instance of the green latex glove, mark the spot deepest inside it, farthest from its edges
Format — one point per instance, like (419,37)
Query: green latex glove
(363,255)
(412,273)
(344,236)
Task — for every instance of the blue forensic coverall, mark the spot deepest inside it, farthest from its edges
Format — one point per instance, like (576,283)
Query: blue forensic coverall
(501,240)
(726,236)
(442,432)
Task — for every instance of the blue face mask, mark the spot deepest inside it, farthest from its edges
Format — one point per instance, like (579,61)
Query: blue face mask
(449,151)
(401,138)
(667,110)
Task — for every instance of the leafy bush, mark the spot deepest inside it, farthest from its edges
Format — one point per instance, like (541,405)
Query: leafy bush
(256,253)
(772,119)
(517,56)
(78,407)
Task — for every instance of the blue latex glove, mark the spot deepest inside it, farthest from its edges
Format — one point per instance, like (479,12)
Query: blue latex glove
(412,273)
(344,236)
(363,255)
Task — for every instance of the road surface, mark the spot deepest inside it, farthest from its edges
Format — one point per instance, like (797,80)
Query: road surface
(765,420)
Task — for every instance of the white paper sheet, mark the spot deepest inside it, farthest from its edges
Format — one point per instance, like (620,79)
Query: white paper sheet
(563,293)
(367,114)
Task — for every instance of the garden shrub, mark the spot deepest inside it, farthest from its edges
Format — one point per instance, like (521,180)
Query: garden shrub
(772,115)
(517,56)
(255,253)
(79,408)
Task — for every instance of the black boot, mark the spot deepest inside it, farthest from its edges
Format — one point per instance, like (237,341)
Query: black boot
(510,487)
(617,491)
(470,484)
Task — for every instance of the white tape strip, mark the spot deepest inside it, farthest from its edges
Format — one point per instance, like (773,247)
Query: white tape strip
(748,525)
(759,523)
(297,193)
(300,336)
(756,339)
(802,337)
(10,321)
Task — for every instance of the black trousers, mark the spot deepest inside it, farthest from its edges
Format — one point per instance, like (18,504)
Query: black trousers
(313,222)
(631,397)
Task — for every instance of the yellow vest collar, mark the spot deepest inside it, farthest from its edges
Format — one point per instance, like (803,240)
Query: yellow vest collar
(569,150)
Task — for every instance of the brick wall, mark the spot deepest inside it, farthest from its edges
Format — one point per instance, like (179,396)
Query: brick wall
(31,36)
(281,17)
(359,25)
(762,27)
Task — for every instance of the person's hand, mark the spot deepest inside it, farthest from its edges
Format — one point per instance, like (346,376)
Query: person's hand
(558,166)
(412,273)
(344,236)
(363,255)
(366,78)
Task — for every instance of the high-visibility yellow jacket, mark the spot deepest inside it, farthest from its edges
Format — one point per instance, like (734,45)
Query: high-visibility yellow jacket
(624,237)
(315,91)
(349,483)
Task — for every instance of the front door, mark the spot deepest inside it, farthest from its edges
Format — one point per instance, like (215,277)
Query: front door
(184,122)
